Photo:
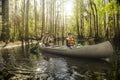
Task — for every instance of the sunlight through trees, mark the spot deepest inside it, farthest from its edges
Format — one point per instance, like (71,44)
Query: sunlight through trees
(30,19)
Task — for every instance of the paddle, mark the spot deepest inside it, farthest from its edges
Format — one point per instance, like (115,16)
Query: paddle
(35,47)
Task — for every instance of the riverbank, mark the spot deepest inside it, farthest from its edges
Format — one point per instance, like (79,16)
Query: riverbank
(13,44)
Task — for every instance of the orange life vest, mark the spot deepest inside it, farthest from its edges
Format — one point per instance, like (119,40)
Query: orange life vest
(71,41)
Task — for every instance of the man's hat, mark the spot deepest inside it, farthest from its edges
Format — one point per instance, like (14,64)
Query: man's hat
(46,33)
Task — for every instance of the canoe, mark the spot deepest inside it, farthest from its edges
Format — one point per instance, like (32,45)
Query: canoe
(101,50)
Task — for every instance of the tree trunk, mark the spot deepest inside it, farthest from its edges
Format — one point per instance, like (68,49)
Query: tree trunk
(43,16)
(5,34)
(77,21)
(63,22)
(96,20)
(90,31)
(35,13)
(23,23)
(105,23)
(27,23)
(117,30)
(93,16)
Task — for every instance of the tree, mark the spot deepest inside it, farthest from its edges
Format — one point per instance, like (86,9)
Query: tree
(5,34)
(43,17)
(35,13)
(27,24)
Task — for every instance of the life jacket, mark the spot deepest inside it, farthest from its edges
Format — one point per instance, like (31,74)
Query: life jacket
(46,39)
(71,41)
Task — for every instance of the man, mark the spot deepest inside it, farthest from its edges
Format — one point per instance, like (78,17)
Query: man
(70,42)
(46,40)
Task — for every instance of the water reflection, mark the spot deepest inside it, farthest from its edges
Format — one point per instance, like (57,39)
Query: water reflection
(85,68)
(1,62)
(53,69)
(42,66)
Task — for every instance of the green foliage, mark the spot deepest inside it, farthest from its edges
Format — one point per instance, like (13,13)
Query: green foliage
(106,11)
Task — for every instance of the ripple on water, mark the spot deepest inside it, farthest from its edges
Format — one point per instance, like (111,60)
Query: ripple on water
(50,69)
(53,69)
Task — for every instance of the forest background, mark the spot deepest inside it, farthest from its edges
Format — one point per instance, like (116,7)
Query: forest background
(27,20)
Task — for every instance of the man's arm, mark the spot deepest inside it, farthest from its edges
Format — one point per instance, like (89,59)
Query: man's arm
(42,39)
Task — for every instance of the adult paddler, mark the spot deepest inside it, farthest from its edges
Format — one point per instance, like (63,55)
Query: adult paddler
(46,40)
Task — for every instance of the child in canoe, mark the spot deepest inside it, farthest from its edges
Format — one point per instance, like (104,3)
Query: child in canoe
(70,42)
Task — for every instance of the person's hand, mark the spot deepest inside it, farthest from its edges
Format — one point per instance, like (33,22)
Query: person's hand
(51,45)
(74,46)
(42,45)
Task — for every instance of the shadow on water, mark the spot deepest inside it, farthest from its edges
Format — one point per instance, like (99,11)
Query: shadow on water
(17,64)
(88,68)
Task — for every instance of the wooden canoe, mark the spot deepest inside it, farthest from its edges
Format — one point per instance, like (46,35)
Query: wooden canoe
(101,50)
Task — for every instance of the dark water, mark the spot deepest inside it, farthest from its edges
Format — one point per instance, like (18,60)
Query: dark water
(21,64)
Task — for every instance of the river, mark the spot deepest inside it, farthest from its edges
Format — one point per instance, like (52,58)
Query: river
(20,64)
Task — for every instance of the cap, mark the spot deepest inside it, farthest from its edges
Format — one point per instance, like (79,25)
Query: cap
(46,33)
